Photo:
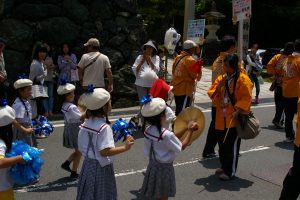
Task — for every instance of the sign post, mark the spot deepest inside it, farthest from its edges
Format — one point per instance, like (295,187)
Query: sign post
(196,30)
(189,13)
(241,13)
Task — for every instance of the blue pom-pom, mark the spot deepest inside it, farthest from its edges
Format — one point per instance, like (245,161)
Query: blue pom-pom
(121,130)
(63,81)
(90,89)
(42,126)
(146,99)
(26,173)
(23,76)
(3,102)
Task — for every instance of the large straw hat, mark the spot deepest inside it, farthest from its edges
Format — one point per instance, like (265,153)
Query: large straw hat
(184,118)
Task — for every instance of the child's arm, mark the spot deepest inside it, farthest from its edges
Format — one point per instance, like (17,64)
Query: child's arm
(117,150)
(18,126)
(186,140)
(7,162)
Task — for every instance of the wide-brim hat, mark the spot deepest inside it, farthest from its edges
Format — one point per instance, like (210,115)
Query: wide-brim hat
(188,44)
(184,118)
(160,89)
(151,44)
(7,114)
(154,107)
(65,89)
(23,82)
(96,99)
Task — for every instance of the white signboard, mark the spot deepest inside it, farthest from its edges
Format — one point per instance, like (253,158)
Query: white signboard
(241,9)
(196,30)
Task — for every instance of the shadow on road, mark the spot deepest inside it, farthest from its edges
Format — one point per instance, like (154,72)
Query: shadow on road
(213,163)
(138,194)
(272,128)
(58,185)
(213,184)
(285,145)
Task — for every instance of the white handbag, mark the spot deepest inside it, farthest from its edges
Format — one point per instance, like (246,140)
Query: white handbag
(39,91)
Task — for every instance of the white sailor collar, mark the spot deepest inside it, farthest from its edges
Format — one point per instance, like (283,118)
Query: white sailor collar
(94,125)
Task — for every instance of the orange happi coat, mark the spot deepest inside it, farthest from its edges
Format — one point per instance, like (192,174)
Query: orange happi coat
(242,98)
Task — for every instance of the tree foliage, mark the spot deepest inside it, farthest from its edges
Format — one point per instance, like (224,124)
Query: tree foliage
(276,18)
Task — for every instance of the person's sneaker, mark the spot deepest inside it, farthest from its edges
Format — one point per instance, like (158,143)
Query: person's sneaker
(288,139)
(277,125)
(42,136)
(256,100)
(224,177)
(210,155)
(66,166)
(74,175)
(219,171)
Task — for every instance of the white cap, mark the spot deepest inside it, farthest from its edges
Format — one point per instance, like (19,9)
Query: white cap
(188,44)
(151,44)
(94,42)
(23,82)
(96,99)
(154,107)
(65,89)
(7,115)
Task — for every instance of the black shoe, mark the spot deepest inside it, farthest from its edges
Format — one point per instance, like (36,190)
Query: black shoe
(277,125)
(66,166)
(210,155)
(74,174)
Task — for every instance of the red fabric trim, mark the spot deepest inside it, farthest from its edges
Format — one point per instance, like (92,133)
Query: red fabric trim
(97,131)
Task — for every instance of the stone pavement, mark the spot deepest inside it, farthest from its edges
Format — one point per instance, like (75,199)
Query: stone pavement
(205,83)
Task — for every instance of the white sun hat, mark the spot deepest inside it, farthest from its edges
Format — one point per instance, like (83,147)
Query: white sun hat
(23,82)
(154,107)
(7,113)
(188,44)
(65,89)
(95,99)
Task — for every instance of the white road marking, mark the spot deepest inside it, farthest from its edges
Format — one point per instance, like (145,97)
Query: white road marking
(120,174)
(127,117)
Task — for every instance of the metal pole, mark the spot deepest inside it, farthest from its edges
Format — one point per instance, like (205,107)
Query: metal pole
(240,39)
(189,13)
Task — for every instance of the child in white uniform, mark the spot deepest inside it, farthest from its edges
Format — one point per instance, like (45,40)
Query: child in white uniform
(73,118)
(7,116)
(162,90)
(161,145)
(96,143)
(23,123)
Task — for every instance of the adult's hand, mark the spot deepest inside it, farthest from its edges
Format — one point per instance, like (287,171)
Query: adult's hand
(110,88)
(2,78)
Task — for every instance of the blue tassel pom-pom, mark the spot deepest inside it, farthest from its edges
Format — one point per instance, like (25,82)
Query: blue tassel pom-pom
(90,89)
(122,129)
(42,126)
(145,99)
(3,102)
(23,174)
(23,76)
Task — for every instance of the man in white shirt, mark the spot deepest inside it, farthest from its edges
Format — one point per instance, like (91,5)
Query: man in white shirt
(93,65)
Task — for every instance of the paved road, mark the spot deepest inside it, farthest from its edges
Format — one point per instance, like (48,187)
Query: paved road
(194,177)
